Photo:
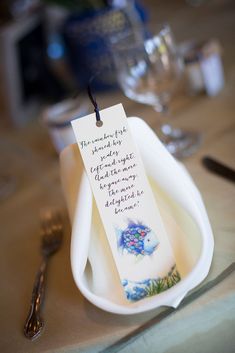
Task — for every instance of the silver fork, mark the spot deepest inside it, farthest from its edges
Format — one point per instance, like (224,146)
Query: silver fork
(52,231)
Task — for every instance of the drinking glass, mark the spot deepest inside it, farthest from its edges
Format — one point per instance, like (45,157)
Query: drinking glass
(148,71)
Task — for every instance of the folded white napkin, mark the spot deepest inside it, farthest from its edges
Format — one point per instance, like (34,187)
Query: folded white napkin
(181,208)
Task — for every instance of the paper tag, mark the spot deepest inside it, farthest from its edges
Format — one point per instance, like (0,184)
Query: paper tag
(126,204)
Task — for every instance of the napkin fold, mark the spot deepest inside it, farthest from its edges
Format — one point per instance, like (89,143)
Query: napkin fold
(183,214)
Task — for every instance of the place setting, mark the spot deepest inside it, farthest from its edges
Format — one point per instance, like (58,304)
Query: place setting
(134,236)
(147,71)
(141,238)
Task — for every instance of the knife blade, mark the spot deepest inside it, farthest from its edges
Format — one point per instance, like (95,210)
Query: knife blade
(218,168)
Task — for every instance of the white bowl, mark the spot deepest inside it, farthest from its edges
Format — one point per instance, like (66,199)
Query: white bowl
(183,213)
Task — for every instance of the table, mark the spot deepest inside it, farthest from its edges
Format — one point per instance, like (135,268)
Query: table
(72,323)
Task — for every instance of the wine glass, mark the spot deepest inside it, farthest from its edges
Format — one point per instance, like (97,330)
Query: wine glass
(148,71)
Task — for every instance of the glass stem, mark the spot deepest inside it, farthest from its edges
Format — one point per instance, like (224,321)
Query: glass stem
(165,128)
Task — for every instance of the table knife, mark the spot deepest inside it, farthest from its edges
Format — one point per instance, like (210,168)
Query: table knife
(219,168)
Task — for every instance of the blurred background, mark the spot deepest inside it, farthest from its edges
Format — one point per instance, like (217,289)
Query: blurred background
(51,48)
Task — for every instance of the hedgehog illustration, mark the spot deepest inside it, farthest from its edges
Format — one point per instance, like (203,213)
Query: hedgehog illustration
(137,239)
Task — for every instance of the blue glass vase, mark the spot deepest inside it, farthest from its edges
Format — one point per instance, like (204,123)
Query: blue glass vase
(87,42)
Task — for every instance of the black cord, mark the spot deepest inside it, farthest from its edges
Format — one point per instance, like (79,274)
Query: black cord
(93,101)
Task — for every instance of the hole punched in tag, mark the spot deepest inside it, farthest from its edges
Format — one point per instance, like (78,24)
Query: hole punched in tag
(99,122)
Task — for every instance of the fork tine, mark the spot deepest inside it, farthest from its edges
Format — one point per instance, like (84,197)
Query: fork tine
(52,230)
(50,220)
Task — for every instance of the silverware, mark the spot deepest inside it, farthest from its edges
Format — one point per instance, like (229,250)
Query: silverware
(52,231)
(219,168)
